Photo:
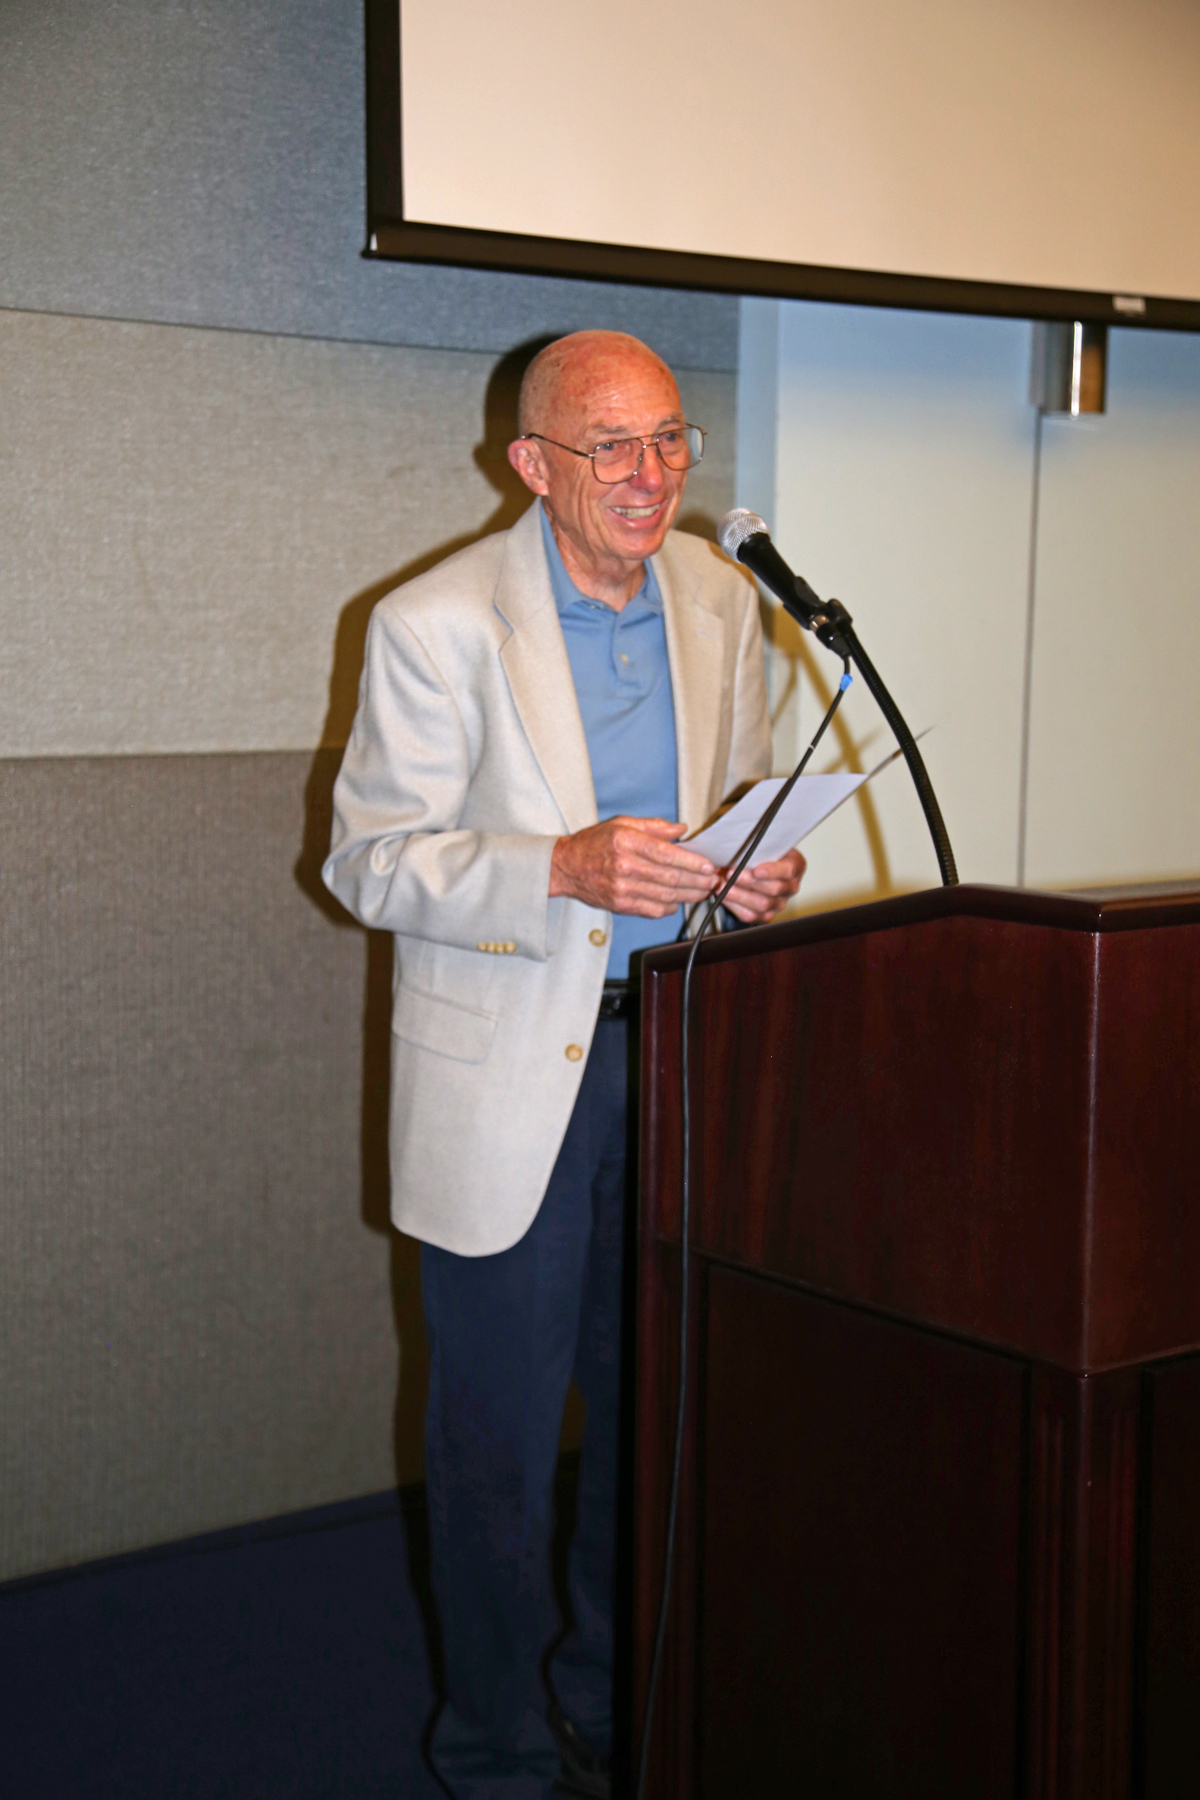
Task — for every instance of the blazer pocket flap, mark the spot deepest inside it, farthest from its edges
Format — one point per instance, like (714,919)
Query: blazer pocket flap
(442,1026)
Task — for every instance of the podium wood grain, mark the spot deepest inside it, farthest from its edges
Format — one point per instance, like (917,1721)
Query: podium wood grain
(936,1533)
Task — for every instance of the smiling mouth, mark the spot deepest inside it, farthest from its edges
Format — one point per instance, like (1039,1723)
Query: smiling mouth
(638,512)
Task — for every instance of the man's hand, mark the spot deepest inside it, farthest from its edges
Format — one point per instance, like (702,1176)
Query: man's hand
(765,889)
(634,866)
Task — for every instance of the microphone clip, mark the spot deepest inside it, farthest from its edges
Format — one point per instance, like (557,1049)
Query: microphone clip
(828,620)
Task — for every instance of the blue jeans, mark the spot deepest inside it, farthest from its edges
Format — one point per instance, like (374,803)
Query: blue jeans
(507,1333)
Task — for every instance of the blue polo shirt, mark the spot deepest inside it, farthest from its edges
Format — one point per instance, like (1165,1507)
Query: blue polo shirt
(623,685)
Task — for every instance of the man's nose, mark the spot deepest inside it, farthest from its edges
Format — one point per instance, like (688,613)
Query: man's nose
(652,472)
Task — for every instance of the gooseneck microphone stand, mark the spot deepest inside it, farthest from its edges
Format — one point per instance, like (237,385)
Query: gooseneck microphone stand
(832,624)
(744,535)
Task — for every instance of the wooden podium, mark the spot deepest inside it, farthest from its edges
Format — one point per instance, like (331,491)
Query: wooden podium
(940,1522)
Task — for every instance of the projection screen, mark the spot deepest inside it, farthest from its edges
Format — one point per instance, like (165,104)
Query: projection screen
(1034,157)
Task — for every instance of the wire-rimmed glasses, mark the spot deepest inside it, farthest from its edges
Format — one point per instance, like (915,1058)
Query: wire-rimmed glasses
(619,459)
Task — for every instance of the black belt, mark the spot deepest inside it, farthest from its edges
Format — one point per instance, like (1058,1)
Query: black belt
(619,1000)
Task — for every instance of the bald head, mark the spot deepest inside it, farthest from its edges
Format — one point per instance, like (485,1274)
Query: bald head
(574,366)
(593,388)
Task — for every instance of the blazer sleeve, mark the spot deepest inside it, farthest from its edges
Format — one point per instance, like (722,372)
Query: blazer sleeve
(398,859)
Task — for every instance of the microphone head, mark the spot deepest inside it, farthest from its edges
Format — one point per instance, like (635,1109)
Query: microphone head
(737,526)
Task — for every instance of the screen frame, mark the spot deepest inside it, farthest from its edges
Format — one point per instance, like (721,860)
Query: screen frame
(391,237)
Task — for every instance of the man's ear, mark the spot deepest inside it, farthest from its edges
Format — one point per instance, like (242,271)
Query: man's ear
(527,459)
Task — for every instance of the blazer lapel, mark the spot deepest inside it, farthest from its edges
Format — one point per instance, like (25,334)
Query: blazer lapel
(696,654)
(535,661)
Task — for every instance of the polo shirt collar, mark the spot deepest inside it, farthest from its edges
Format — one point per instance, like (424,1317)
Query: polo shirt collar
(566,594)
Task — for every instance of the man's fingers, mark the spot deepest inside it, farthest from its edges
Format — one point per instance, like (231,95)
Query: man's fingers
(750,884)
(788,868)
(662,884)
(658,838)
(781,877)
(634,848)
(674,856)
(631,865)
(674,890)
(762,892)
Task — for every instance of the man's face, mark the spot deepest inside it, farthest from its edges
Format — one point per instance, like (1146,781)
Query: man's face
(614,394)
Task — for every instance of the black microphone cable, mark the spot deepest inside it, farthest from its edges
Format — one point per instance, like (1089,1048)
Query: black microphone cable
(685,1214)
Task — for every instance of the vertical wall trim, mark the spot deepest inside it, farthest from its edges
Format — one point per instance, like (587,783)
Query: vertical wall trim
(1027,681)
(757,449)
(758,405)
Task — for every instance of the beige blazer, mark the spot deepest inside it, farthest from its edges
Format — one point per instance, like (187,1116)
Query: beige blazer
(467,760)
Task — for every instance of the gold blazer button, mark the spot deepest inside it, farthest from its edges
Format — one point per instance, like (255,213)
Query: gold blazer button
(574,1052)
(598,937)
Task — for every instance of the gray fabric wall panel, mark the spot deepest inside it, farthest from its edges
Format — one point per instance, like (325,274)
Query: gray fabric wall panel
(204,164)
(198,1291)
(198,522)
(200,1300)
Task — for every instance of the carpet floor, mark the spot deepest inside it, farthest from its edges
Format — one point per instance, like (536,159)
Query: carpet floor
(297,1657)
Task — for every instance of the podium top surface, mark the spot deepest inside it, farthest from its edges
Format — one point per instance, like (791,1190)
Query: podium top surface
(1135,907)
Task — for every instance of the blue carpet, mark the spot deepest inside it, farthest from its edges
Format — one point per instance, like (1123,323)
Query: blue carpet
(291,1658)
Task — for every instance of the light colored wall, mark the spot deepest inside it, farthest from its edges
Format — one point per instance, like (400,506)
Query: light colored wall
(1114,790)
(897,454)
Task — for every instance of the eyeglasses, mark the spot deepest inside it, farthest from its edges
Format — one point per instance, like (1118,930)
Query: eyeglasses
(619,459)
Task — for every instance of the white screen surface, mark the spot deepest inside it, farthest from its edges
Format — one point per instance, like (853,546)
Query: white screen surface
(1053,144)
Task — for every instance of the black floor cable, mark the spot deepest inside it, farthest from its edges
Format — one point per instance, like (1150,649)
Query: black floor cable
(685,1219)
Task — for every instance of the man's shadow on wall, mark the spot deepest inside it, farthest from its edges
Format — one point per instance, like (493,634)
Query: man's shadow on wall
(512,499)
(348,659)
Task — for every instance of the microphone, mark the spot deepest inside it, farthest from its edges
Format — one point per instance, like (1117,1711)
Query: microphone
(744,536)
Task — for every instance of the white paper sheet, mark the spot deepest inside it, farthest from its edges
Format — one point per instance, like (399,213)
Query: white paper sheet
(812,799)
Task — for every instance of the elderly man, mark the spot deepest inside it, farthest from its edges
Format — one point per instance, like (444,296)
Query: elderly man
(535,715)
